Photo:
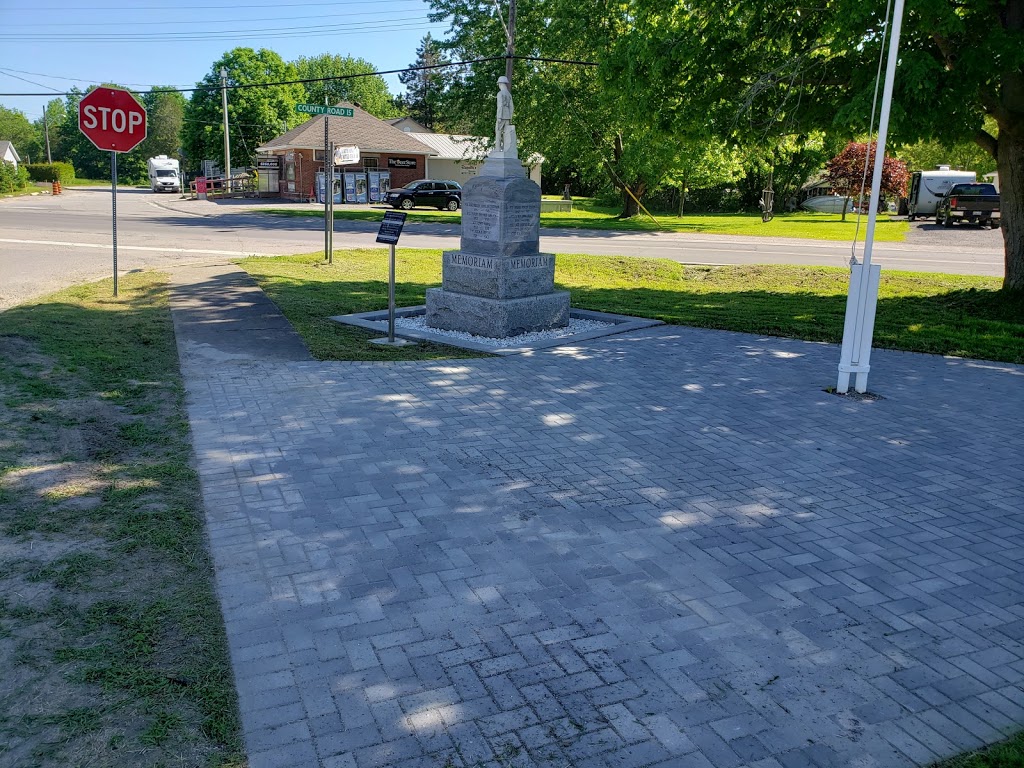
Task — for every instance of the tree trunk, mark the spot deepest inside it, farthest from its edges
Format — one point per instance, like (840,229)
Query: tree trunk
(846,202)
(629,204)
(682,197)
(1011,206)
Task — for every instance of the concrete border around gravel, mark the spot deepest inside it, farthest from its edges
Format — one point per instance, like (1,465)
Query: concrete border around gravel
(378,321)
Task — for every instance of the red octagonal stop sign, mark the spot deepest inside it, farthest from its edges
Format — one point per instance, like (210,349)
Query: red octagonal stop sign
(112,119)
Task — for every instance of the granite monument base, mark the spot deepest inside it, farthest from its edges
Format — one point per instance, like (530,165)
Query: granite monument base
(496,318)
(497,277)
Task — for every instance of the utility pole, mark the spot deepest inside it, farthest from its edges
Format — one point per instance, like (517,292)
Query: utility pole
(46,130)
(510,48)
(227,137)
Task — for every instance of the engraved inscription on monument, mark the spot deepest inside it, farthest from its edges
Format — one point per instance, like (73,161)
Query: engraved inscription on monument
(531,262)
(520,221)
(457,258)
(480,220)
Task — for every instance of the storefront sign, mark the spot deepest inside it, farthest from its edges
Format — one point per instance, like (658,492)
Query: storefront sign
(268,162)
(346,155)
(401,162)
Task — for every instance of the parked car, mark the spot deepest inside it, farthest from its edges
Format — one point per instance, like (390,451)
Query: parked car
(969,203)
(428,192)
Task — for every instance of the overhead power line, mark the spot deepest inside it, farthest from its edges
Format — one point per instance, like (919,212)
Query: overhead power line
(204,7)
(8,70)
(240,86)
(115,25)
(264,33)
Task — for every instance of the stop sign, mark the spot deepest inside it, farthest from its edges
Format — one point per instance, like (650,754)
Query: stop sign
(112,119)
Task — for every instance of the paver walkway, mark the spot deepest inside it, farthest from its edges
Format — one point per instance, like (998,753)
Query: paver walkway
(667,548)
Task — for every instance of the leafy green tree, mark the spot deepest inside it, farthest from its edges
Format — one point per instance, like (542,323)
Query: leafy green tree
(781,67)
(927,154)
(16,128)
(370,91)
(165,112)
(585,132)
(255,114)
(425,88)
(701,164)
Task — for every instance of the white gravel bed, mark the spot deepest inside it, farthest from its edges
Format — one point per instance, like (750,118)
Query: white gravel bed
(575,326)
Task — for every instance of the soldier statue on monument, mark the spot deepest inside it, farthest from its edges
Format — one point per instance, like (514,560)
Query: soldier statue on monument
(504,116)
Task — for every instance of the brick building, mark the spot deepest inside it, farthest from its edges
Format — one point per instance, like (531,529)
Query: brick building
(300,152)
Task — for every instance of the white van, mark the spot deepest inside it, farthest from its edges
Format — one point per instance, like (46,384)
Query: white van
(927,188)
(164,174)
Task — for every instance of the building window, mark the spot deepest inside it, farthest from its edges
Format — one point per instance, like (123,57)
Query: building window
(369,163)
(318,154)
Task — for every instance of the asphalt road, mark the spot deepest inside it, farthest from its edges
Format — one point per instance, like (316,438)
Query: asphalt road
(49,242)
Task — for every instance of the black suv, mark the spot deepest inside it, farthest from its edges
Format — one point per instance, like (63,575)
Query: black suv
(438,194)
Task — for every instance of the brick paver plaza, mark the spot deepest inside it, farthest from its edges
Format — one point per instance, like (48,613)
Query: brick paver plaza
(666,548)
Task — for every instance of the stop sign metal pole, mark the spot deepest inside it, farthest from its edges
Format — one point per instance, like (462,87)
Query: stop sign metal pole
(113,120)
(330,204)
(113,199)
(328,191)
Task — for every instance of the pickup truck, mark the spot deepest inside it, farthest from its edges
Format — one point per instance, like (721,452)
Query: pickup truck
(973,203)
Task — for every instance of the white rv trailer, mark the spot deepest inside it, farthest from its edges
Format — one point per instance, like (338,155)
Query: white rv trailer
(927,188)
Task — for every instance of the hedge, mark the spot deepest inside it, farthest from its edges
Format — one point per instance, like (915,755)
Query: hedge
(62,172)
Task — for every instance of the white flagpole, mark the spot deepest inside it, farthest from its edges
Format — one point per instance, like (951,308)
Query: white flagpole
(855,357)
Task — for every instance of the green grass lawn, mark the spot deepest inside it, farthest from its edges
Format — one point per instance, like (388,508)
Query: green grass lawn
(111,637)
(587,214)
(1006,754)
(91,183)
(29,190)
(918,312)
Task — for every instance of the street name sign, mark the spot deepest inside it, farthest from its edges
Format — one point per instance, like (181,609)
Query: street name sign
(320,109)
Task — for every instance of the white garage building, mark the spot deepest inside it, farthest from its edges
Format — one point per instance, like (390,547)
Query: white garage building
(458,158)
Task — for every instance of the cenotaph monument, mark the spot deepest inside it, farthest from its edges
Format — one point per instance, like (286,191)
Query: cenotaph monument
(498,284)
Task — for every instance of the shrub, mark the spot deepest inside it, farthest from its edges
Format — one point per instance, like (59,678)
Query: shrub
(12,179)
(62,172)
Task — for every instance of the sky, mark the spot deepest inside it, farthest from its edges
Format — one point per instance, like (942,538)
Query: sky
(52,45)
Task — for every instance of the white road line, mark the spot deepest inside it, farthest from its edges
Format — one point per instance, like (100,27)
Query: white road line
(135,247)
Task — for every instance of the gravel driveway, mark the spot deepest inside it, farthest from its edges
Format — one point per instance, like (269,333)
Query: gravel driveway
(927,232)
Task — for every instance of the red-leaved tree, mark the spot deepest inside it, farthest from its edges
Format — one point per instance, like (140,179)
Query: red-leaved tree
(845,171)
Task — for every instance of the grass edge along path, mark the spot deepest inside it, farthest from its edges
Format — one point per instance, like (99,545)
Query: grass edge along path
(109,621)
(965,316)
(1004,754)
(587,214)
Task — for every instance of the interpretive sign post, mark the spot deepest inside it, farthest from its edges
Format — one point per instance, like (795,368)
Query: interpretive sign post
(113,121)
(390,230)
